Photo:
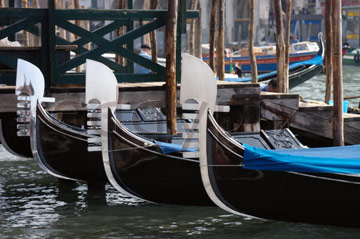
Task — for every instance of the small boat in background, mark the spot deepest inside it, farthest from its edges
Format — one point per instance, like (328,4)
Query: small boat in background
(298,72)
(266,56)
(352,57)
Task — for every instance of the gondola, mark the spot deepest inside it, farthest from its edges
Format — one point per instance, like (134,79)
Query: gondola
(299,72)
(167,171)
(318,185)
(63,150)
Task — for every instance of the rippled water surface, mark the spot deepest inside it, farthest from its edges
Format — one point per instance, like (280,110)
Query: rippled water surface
(314,89)
(36,205)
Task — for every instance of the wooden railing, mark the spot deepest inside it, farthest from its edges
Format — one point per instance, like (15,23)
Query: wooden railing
(44,22)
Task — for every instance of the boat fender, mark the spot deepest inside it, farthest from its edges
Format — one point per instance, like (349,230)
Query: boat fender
(357,57)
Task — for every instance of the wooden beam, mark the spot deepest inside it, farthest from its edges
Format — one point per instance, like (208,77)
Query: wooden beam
(138,95)
(338,122)
(254,71)
(170,73)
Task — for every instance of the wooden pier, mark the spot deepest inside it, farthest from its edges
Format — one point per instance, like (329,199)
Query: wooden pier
(249,107)
(310,121)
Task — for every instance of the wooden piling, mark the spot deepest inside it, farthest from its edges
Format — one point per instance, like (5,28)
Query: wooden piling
(220,57)
(287,45)
(170,72)
(121,4)
(328,50)
(153,5)
(338,121)
(24,4)
(280,45)
(212,26)
(198,35)
(254,71)
(194,4)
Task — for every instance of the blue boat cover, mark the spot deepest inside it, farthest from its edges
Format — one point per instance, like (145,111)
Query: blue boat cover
(316,60)
(168,148)
(344,159)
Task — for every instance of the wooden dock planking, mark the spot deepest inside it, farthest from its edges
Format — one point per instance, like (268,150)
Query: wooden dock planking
(281,109)
(309,117)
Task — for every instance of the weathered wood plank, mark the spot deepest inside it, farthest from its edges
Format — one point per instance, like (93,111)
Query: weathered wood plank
(313,118)
(135,94)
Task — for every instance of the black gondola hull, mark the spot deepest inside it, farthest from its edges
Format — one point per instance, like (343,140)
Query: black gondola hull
(330,199)
(63,150)
(148,173)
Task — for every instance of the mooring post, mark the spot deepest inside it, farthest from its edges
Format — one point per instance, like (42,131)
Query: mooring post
(287,45)
(170,73)
(328,50)
(220,57)
(212,34)
(338,121)
(280,46)
(254,71)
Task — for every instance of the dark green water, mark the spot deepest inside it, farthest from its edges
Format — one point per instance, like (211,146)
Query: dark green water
(36,205)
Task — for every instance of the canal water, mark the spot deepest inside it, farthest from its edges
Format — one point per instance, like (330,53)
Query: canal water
(36,205)
(314,89)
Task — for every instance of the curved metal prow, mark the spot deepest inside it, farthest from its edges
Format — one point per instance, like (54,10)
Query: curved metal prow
(198,81)
(30,87)
(101,88)
(321,44)
(101,92)
(198,94)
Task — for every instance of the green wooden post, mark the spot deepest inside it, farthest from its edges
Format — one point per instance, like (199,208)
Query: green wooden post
(94,4)
(183,16)
(50,78)
(11,5)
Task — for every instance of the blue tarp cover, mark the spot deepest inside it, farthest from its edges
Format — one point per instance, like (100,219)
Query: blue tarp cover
(316,60)
(344,159)
(168,148)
